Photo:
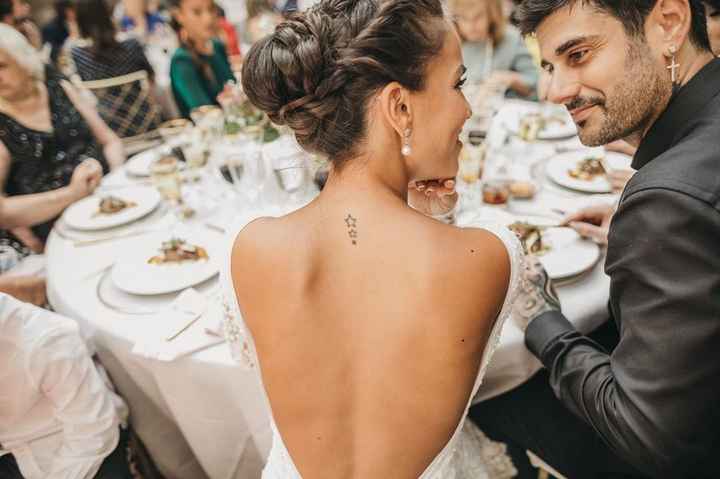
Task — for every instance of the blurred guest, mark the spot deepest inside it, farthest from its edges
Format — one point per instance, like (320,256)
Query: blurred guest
(101,55)
(60,417)
(140,17)
(200,67)
(262,18)
(128,109)
(227,33)
(494,50)
(16,13)
(57,30)
(28,210)
(712,12)
(46,128)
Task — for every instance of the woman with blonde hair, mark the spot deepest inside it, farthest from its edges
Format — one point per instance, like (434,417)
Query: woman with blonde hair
(47,130)
(492,48)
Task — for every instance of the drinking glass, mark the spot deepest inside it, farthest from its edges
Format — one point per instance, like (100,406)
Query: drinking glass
(292,173)
(166,178)
(254,172)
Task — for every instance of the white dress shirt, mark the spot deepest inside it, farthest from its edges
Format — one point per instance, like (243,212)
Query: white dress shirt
(58,417)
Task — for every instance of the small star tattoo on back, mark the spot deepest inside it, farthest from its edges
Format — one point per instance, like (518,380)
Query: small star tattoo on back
(351,223)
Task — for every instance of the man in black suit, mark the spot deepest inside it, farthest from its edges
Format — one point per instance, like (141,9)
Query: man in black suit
(646,405)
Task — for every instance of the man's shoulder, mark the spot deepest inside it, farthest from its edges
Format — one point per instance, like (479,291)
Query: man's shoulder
(691,166)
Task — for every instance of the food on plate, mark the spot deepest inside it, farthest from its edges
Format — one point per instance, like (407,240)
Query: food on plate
(588,169)
(530,237)
(531,124)
(522,189)
(178,250)
(109,205)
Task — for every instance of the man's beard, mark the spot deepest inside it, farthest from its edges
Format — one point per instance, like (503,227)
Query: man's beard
(632,104)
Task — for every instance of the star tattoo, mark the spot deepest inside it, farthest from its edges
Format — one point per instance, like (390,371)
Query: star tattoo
(350,221)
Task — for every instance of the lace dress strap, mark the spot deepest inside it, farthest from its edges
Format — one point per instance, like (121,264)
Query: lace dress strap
(517,261)
(236,333)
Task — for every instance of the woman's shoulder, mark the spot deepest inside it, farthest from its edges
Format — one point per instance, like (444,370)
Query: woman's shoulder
(181,54)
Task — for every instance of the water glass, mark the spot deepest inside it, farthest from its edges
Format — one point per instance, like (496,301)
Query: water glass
(166,178)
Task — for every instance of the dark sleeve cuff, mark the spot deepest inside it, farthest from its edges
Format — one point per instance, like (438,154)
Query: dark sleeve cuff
(544,330)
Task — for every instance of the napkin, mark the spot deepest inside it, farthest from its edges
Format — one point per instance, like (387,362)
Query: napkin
(205,313)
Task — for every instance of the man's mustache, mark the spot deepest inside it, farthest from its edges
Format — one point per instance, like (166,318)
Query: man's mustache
(580,102)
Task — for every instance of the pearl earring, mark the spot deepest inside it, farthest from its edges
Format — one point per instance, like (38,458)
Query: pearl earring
(406,150)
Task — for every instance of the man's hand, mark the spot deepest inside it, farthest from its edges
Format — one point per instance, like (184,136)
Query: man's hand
(537,294)
(592,222)
(433,197)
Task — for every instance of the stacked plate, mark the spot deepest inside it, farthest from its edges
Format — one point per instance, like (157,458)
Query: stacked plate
(557,123)
(559,170)
(85,215)
(134,273)
(567,255)
(134,236)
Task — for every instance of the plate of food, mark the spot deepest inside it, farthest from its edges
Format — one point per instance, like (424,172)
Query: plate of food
(532,124)
(166,263)
(562,252)
(139,165)
(102,211)
(581,170)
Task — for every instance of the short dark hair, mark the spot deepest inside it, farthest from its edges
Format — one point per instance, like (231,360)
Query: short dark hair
(631,13)
(6,8)
(712,3)
(317,72)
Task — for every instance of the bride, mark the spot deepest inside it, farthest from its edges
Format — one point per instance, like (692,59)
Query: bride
(369,322)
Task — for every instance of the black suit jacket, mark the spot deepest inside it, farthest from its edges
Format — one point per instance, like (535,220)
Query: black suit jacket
(655,399)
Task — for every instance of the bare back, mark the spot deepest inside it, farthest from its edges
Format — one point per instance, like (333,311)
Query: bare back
(369,343)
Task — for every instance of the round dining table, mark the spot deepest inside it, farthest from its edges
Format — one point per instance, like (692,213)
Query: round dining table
(201,414)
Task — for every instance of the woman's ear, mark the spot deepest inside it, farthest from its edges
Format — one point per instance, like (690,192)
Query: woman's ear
(396,107)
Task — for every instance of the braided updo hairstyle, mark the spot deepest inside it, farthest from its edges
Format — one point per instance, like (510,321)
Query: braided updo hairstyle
(318,70)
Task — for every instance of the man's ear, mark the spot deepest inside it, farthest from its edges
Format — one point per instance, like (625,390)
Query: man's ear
(671,21)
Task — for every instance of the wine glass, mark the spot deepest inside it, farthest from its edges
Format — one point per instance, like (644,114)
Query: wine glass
(254,172)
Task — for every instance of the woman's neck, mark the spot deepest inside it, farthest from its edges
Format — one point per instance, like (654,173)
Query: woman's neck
(360,178)
(202,46)
(23,100)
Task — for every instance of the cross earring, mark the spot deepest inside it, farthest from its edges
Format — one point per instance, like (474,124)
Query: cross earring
(673,65)
(406,150)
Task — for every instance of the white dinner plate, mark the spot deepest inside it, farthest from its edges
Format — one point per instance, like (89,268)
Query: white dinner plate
(139,165)
(133,274)
(560,127)
(559,167)
(569,255)
(83,214)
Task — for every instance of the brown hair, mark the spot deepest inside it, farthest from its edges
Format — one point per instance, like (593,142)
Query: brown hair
(318,70)
(202,66)
(496,18)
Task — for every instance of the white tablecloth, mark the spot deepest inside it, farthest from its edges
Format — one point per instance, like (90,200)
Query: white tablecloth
(201,416)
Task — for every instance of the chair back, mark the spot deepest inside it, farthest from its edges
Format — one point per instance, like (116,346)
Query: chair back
(126,103)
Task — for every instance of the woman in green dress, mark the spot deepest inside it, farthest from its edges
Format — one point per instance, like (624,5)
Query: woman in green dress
(200,68)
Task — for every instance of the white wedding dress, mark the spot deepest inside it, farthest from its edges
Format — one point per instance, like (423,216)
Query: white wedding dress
(469,454)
